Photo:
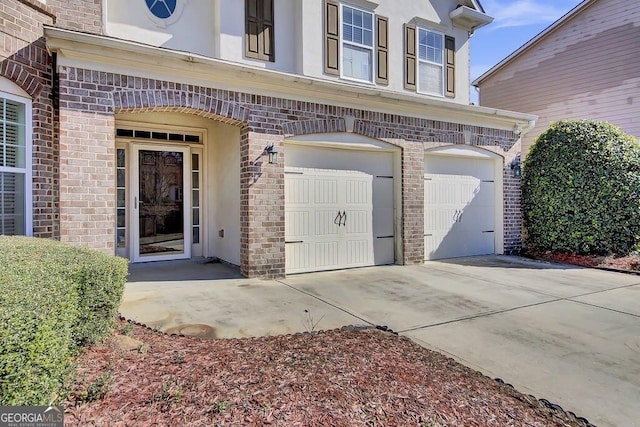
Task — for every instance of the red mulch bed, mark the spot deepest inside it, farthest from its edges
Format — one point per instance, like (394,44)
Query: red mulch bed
(346,377)
(622,263)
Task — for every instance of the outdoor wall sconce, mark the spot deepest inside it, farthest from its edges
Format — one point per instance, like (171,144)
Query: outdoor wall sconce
(273,154)
(516,170)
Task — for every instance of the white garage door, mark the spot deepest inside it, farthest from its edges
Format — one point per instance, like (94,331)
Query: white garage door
(337,218)
(459,212)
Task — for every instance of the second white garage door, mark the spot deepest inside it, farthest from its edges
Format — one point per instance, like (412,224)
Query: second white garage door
(459,212)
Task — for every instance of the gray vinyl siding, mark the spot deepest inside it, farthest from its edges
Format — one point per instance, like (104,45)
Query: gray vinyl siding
(587,68)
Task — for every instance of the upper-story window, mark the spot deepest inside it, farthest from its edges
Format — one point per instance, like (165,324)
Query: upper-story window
(356,43)
(429,62)
(259,23)
(15,165)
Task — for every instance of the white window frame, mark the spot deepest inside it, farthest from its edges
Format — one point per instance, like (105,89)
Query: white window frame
(27,170)
(361,46)
(425,61)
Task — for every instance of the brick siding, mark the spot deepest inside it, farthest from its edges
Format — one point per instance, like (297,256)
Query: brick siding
(79,15)
(264,120)
(24,60)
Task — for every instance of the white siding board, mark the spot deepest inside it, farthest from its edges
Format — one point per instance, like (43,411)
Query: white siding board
(576,71)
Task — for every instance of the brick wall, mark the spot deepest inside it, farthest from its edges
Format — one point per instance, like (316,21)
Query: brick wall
(264,120)
(24,60)
(512,211)
(80,15)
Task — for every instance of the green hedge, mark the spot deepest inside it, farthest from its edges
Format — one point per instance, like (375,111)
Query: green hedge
(581,190)
(54,298)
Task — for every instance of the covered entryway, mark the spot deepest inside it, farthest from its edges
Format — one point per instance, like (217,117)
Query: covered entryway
(339,203)
(462,196)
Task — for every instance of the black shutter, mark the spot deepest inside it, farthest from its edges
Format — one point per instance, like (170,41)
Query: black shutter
(382,50)
(410,57)
(332,38)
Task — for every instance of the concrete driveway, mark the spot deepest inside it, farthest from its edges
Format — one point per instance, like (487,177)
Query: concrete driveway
(569,335)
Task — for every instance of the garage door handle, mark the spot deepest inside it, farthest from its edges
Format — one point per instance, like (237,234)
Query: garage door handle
(338,220)
(344,216)
(457,217)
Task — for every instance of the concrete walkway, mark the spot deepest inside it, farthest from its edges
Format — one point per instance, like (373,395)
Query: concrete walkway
(566,334)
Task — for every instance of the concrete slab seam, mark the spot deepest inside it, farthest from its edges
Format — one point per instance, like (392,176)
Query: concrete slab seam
(326,302)
(605,308)
(475,316)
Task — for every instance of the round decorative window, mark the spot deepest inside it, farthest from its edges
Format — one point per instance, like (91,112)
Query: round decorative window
(162,9)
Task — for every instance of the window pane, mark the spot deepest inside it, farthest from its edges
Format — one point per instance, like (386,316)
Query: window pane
(120,158)
(347,15)
(356,62)
(12,203)
(357,18)
(357,26)
(121,198)
(196,216)
(195,196)
(195,180)
(12,134)
(121,234)
(196,235)
(121,218)
(430,79)
(194,162)
(357,35)
(430,46)
(121,178)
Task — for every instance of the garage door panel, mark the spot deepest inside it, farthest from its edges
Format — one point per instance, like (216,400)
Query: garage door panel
(357,222)
(297,257)
(325,191)
(358,192)
(336,225)
(359,252)
(326,254)
(298,224)
(325,223)
(297,190)
(459,214)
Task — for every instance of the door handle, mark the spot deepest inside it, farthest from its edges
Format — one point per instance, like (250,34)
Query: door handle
(344,216)
(337,219)
(457,216)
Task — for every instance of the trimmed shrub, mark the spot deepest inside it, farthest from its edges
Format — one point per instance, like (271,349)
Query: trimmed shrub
(581,190)
(53,299)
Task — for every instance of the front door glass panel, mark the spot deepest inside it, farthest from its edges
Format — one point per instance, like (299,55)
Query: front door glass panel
(161,203)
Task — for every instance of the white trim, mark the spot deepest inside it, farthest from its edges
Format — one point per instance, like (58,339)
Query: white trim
(136,147)
(426,61)
(108,54)
(27,170)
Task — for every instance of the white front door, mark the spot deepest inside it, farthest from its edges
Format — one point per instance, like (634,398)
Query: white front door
(459,207)
(161,201)
(328,219)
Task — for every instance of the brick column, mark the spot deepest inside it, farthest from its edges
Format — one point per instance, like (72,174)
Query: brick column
(87,177)
(262,251)
(413,202)
(512,212)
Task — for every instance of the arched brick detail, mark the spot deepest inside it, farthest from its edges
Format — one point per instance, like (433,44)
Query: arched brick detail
(369,129)
(361,127)
(151,100)
(306,127)
(21,75)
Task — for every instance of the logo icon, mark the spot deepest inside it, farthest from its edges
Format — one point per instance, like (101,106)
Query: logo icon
(162,9)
